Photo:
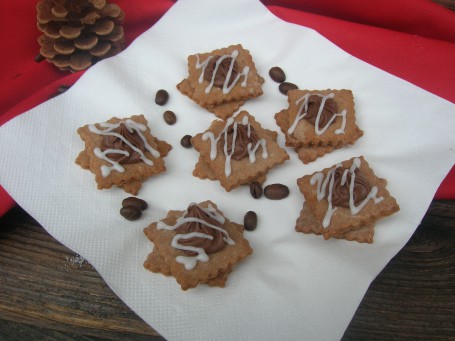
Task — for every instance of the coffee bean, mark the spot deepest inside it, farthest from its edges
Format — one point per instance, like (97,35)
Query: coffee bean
(135,202)
(255,189)
(276,191)
(286,86)
(277,74)
(250,221)
(161,97)
(186,141)
(130,212)
(169,117)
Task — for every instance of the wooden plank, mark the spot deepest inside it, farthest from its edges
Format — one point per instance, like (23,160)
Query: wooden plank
(413,298)
(45,284)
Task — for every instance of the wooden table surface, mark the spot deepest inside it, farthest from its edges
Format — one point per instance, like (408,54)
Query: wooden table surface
(48,292)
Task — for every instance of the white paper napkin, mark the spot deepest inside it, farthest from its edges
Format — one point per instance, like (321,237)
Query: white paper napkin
(294,286)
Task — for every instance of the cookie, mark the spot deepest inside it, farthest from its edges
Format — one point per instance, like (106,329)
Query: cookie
(319,118)
(83,159)
(317,122)
(223,75)
(155,263)
(306,223)
(309,154)
(346,197)
(222,111)
(122,152)
(222,80)
(203,171)
(131,187)
(196,246)
(238,150)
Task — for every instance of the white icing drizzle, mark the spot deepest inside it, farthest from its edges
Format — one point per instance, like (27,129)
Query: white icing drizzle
(329,179)
(304,108)
(190,262)
(251,149)
(321,190)
(131,126)
(226,88)
(106,170)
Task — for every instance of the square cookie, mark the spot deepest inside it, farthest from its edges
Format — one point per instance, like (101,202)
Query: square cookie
(223,110)
(223,75)
(319,118)
(238,150)
(122,152)
(203,171)
(346,197)
(155,263)
(306,223)
(198,245)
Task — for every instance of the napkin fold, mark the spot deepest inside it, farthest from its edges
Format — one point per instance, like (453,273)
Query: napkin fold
(294,286)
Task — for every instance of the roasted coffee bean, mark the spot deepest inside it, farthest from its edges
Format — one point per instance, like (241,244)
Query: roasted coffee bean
(277,74)
(169,117)
(186,141)
(276,191)
(255,189)
(135,202)
(250,221)
(161,97)
(130,212)
(286,86)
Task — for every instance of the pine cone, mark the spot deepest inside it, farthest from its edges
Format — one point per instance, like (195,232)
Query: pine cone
(78,33)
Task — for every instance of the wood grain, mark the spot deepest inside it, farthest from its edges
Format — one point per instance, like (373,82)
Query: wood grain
(45,284)
(48,292)
(413,298)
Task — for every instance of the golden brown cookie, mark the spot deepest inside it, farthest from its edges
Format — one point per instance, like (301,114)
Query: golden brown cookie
(318,118)
(203,171)
(223,110)
(346,196)
(131,187)
(311,151)
(238,150)
(122,152)
(306,223)
(83,159)
(196,246)
(222,80)
(309,154)
(155,263)
(223,75)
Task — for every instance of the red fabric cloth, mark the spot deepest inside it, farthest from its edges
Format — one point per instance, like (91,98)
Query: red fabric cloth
(412,39)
